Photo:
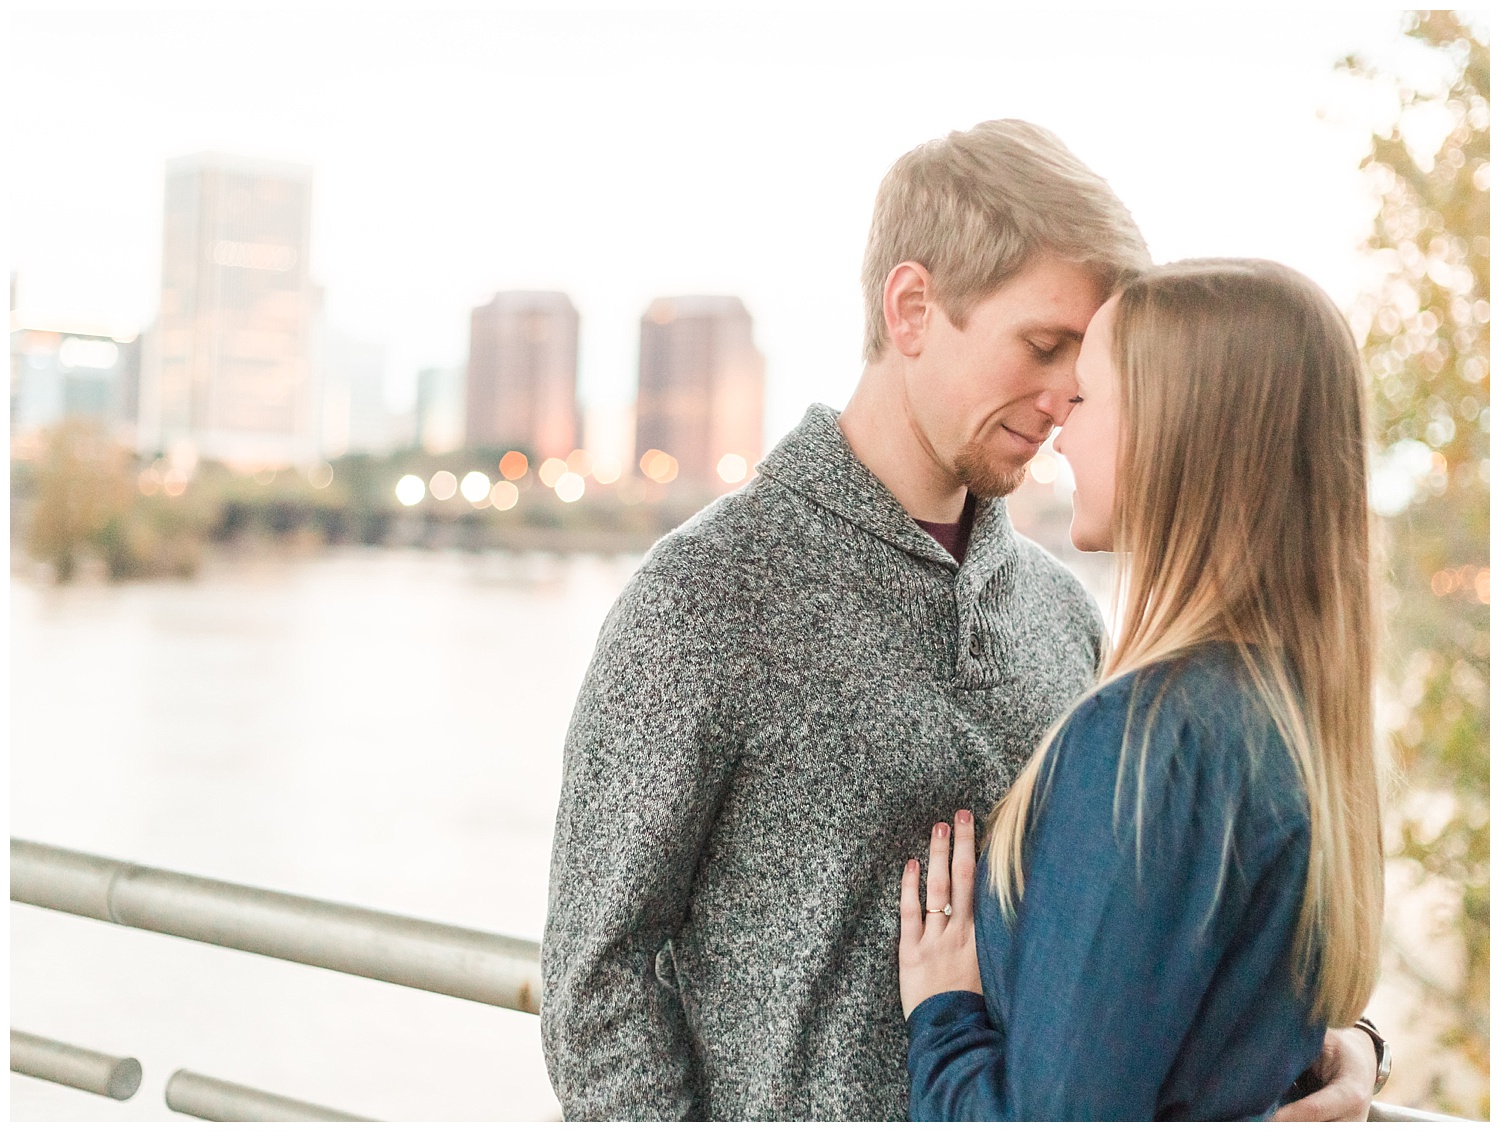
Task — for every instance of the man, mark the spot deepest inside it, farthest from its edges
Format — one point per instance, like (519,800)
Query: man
(802,678)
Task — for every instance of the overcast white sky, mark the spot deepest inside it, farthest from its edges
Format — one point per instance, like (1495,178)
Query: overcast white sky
(622,155)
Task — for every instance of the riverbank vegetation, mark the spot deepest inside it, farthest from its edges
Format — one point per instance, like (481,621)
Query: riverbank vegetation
(79,498)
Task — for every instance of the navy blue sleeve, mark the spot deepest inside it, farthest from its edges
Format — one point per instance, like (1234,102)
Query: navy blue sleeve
(1115,947)
(956,1059)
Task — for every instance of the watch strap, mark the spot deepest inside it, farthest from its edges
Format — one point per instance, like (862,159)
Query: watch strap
(1382,1052)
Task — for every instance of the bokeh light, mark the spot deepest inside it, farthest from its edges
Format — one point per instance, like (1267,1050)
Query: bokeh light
(513,465)
(476,488)
(87,353)
(442,485)
(658,465)
(606,469)
(732,467)
(551,471)
(410,490)
(1471,582)
(1043,467)
(579,462)
(504,495)
(569,487)
(320,475)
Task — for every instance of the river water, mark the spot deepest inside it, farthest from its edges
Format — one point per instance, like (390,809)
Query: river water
(382,728)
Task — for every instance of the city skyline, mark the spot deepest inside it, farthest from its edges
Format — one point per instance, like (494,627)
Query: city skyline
(241,367)
(666,153)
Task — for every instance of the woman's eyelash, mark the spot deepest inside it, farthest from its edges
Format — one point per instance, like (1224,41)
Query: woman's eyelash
(1043,352)
(1075,400)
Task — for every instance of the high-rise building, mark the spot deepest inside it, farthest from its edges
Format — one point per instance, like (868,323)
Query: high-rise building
(439,414)
(351,382)
(233,376)
(522,380)
(61,371)
(701,396)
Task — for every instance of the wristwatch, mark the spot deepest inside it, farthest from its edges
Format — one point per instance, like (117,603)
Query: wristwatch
(1382,1052)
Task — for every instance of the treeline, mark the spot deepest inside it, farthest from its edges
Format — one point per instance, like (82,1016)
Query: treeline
(86,498)
(1428,349)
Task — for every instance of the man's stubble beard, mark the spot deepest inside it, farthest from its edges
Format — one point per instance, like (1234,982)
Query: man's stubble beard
(982,477)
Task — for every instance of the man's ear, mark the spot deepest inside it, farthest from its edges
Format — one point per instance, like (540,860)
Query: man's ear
(908,306)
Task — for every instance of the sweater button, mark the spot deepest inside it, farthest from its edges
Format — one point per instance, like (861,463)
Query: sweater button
(974,646)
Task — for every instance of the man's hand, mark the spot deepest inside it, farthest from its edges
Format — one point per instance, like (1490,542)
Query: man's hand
(1347,1068)
(937,947)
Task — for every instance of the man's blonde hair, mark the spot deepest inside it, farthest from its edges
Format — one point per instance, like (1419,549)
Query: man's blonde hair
(975,207)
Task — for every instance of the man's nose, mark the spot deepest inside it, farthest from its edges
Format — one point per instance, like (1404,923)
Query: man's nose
(1057,402)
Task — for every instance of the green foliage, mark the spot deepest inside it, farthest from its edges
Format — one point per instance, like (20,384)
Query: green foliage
(1428,354)
(85,503)
(77,494)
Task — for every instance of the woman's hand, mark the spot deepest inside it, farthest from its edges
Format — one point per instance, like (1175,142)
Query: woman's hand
(1347,1067)
(937,949)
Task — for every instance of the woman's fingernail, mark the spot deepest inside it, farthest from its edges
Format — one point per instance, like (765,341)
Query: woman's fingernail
(941,829)
(965,817)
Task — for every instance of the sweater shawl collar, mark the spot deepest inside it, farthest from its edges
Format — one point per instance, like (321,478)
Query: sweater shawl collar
(816,462)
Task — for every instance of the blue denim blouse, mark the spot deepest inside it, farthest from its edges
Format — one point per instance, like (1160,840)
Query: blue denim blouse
(1148,978)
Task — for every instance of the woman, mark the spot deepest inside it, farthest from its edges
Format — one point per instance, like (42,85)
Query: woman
(1183,887)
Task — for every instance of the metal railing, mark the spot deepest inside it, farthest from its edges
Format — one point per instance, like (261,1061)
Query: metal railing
(459,962)
(115,1077)
(208,1098)
(1387,1113)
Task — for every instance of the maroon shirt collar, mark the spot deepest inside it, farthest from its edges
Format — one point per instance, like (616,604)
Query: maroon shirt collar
(954,537)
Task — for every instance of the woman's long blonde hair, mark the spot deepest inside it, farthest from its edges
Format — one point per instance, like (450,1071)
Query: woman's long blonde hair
(1240,516)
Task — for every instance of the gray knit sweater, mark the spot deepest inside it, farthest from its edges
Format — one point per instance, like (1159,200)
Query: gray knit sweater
(793,687)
